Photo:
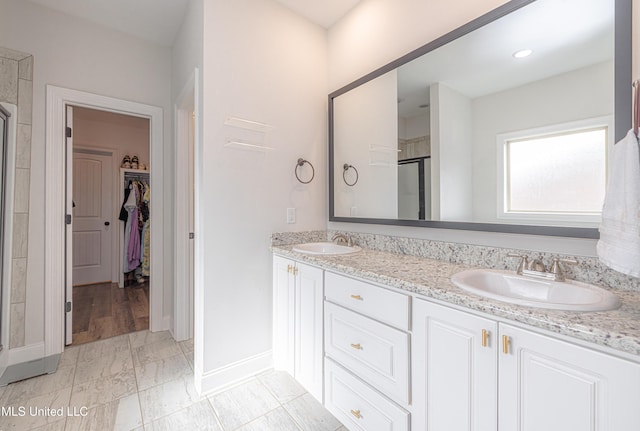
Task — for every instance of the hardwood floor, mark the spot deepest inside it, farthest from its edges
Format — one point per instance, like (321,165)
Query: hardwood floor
(104,311)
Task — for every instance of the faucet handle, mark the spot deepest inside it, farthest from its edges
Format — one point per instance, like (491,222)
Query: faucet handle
(523,263)
(556,268)
(537,265)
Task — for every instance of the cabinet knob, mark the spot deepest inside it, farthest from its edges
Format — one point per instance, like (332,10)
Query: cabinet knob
(485,338)
(289,269)
(505,344)
(357,346)
(357,297)
(356,413)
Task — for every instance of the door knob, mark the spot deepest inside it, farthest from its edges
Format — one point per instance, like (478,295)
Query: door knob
(107,223)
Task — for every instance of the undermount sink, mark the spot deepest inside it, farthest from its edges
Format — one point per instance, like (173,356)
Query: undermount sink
(325,248)
(522,290)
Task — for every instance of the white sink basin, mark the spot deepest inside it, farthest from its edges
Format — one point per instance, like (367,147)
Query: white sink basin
(325,248)
(517,289)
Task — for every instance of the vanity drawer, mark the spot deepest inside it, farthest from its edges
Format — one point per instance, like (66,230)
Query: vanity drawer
(358,406)
(375,352)
(381,304)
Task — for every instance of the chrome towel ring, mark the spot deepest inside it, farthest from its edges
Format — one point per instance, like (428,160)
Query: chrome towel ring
(346,168)
(301,162)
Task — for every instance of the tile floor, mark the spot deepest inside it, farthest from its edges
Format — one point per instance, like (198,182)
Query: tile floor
(144,381)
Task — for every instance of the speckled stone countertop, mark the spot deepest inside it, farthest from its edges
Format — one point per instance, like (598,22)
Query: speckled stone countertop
(618,329)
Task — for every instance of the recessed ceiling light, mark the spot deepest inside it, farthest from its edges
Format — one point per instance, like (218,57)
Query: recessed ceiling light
(523,53)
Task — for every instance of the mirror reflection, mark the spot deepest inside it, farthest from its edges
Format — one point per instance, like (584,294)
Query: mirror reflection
(508,124)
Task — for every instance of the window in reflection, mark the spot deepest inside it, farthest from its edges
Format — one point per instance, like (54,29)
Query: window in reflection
(559,173)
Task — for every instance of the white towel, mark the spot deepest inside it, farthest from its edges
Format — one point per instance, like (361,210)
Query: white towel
(619,244)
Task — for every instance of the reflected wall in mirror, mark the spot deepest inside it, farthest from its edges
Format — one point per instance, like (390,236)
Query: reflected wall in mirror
(501,125)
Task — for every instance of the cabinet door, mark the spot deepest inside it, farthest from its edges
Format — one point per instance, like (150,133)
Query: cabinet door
(283,314)
(552,385)
(308,328)
(454,371)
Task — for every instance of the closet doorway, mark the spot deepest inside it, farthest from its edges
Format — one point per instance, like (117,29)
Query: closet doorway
(111,193)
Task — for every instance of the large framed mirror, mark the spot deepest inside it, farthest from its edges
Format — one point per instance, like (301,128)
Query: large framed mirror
(502,125)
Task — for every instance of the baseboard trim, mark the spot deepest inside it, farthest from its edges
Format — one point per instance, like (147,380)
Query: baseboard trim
(25,353)
(214,380)
(31,368)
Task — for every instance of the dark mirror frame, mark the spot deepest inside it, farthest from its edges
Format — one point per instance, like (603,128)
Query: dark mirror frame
(622,112)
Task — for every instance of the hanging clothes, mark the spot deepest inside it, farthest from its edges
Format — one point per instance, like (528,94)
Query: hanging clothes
(136,244)
(129,206)
(145,254)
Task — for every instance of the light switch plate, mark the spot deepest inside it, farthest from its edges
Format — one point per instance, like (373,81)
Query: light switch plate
(291,215)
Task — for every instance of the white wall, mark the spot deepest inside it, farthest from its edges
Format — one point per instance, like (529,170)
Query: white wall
(106,130)
(451,154)
(527,107)
(378,31)
(73,53)
(366,134)
(262,63)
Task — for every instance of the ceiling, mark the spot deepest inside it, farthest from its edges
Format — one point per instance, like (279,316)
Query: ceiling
(159,21)
(325,12)
(564,35)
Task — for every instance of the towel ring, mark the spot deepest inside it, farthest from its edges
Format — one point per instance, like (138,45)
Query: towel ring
(345,168)
(301,162)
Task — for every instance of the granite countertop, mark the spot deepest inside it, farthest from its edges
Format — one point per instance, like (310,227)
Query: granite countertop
(618,329)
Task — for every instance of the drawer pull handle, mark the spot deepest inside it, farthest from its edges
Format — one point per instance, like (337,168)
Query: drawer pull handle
(485,338)
(356,413)
(505,344)
(357,346)
(289,269)
(357,297)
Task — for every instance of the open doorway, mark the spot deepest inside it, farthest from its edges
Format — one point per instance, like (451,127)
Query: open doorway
(110,195)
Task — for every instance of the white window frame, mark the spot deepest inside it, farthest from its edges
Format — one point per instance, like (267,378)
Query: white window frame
(547,218)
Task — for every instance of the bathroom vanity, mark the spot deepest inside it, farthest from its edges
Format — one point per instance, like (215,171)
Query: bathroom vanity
(386,341)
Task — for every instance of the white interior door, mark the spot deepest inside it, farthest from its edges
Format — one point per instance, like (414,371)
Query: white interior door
(93,198)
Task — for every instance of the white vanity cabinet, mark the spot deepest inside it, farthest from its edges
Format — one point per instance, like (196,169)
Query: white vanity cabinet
(298,322)
(455,370)
(472,373)
(367,345)
(552,385)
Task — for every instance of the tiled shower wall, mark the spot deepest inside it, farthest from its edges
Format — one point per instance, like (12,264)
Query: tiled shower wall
(16,87)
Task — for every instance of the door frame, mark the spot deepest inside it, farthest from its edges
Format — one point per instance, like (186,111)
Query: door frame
(55,254)
(184,309)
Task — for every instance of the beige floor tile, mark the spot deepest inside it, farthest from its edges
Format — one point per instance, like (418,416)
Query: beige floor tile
(58,425)
(97,349)
(122,414)
(103,366)
(277,419)
(38,411)
(282,385)
(40,385)
(311,415)
(164,370)
(140,338)
(167,398)
(155,351)
(242,404)
(199,416)
(93,393)
(186,346)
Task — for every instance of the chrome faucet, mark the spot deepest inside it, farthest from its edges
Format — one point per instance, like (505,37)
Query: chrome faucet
(536,268)
(342,238)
